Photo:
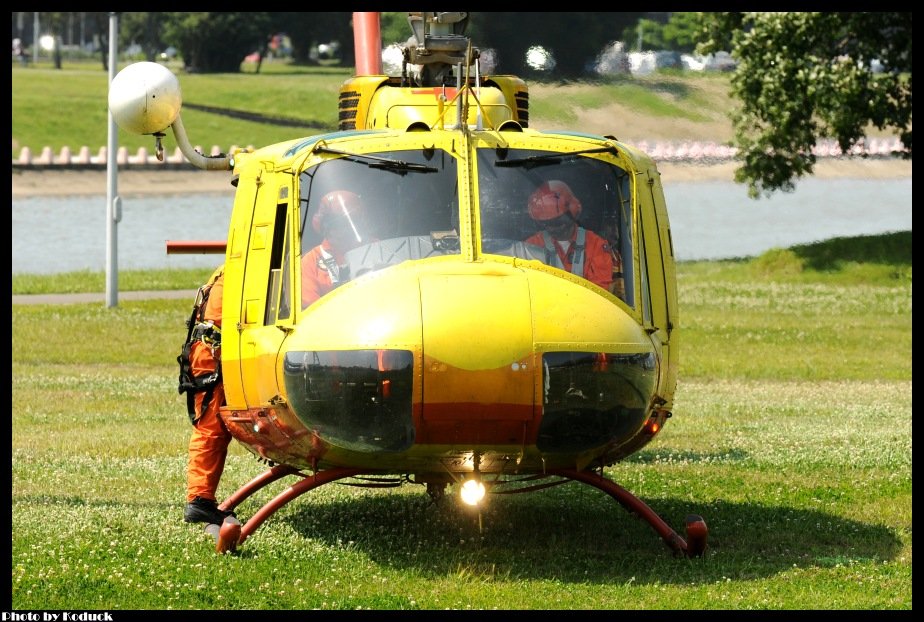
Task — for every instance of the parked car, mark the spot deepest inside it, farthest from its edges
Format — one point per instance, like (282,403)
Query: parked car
(693,62)
(667,59)
(641,63)
(720,61)
(612,61)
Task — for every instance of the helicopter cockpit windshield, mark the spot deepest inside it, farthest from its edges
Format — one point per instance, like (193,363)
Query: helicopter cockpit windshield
(564,209)
(365,211)
(371,210)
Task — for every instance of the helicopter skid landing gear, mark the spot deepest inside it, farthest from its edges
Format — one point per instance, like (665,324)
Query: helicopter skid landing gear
(231,535)
(226,535)
(696,529)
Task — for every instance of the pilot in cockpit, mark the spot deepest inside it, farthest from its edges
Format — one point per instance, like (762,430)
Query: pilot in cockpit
(341,219)
(568,245)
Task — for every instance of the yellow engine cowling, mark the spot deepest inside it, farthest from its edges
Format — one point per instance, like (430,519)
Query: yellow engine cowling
(372,102)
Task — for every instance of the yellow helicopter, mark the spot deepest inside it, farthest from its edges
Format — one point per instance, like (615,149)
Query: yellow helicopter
(502,316)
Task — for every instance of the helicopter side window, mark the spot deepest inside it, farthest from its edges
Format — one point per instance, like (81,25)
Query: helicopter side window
(278,297)
(365,212)
(569,211)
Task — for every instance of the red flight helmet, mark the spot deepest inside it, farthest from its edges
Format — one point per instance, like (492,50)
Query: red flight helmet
(339,203)
(552,199)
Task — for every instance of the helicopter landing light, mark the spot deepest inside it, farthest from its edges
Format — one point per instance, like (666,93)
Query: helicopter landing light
(472,492)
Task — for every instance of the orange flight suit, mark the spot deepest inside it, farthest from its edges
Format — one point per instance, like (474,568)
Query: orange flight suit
(208,445)
(598,258)
(316,278)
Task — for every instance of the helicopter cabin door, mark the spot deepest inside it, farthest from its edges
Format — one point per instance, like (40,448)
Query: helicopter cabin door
(266,301)
(660,290)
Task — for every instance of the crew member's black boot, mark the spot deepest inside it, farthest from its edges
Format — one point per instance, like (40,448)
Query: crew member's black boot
(201,510)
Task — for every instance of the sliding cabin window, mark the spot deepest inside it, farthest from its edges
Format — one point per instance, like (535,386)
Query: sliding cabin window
(278,294)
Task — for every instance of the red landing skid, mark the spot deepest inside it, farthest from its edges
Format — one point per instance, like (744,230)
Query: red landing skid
(697,531)
(232,534)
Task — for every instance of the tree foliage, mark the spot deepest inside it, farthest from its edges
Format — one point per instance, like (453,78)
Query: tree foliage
(674,31)
(682,30)
(142,28)
(646,34)
(395,27)
(215,41)
(574,38)
(804,76)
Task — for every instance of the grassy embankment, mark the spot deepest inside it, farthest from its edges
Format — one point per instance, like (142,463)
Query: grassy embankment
(660,107)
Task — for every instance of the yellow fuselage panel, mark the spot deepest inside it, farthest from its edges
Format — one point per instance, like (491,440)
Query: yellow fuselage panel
(471,315)
(490,311)
(343,319)
(570,315)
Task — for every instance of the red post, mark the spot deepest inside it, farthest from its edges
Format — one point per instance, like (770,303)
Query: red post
(367,41)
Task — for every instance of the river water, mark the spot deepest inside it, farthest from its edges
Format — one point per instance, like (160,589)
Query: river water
(709,220)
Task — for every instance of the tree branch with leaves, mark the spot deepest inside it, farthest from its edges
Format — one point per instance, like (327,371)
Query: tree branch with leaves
(804,76)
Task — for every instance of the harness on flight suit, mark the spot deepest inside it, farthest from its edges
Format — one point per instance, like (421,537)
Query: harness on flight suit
(199,329)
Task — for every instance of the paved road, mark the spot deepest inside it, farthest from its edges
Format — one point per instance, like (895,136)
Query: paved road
(48,299)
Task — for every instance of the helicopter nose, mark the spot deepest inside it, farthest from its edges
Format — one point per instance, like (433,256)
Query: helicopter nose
(484,346)
(479,366)
(497,341)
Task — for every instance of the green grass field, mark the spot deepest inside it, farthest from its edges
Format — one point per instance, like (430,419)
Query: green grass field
(791,436)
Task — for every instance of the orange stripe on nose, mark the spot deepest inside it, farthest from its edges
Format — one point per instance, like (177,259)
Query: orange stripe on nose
(485,424)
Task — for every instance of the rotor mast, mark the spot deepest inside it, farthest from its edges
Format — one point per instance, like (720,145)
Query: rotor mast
(438,45)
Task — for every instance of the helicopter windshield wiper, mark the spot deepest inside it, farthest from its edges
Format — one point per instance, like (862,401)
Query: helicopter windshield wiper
(551,158)
(397,166)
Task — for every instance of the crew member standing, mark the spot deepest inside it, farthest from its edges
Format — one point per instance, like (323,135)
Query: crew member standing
(208,444)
